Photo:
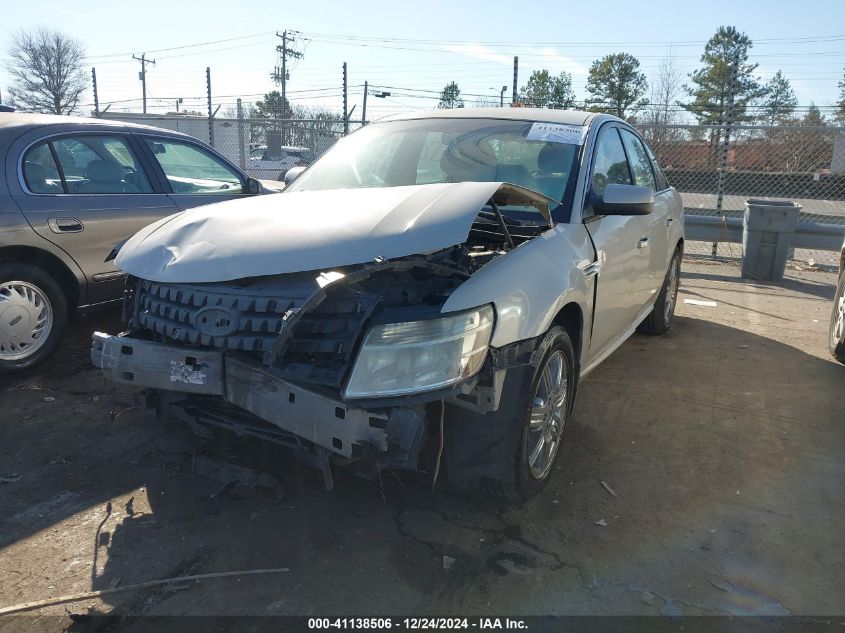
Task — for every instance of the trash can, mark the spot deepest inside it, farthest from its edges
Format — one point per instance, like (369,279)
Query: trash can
(767,231)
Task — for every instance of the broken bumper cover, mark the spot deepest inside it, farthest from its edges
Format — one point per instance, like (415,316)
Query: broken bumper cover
(241,381)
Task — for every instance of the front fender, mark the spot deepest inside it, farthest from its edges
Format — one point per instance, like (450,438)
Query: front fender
(531,284)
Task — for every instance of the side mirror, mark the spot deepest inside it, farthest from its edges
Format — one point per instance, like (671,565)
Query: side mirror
(624,200)
(253,186)
(292,174)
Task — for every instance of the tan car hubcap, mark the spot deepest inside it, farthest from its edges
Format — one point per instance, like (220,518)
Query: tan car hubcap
(26,318)
(837,334)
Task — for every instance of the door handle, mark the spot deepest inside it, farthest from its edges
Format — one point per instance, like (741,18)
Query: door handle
(65,225)
(643,242)
(591,270)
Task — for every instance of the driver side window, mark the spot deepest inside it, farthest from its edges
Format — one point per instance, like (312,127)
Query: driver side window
(610,166)
(189,169)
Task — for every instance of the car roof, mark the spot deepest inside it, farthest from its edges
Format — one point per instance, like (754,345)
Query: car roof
(564,117)
(12,122)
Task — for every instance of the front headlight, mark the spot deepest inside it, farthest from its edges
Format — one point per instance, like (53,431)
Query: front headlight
(405,358)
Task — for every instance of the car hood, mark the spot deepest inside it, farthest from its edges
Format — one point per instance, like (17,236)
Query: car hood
(307,230)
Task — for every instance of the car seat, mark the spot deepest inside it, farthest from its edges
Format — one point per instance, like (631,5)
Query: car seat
(36,179)
(105,177)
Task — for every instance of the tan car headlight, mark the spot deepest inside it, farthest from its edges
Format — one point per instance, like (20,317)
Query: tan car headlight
(415,356)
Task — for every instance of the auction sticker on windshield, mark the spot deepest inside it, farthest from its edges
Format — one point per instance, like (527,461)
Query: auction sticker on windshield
(557,133)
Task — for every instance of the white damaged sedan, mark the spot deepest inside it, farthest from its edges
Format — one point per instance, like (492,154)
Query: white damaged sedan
(425,296)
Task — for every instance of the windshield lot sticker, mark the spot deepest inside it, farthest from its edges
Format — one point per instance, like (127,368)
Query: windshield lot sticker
(557,133)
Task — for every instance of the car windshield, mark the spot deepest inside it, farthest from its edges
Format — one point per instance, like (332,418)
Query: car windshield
(440,150)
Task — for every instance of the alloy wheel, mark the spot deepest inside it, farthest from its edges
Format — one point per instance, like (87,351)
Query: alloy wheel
(547,415)
(672,284)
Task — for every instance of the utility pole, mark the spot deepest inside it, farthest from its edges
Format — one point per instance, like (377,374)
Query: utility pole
(364,109)
(143,76)
(515,78)
(345,103)
(210,113)
(280,74)
(729,119)
(96,100)
(502,96)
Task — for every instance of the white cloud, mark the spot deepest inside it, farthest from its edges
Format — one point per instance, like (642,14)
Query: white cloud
(556,60)
(479,51)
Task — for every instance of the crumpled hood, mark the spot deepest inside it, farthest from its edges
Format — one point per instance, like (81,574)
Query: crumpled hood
(303,230)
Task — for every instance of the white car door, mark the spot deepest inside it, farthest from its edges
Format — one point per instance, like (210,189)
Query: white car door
(624,283)
(660,220)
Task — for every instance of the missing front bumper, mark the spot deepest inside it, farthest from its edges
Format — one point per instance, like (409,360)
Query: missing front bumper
(243,382)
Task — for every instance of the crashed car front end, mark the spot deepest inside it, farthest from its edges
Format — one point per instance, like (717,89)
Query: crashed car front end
(351,361)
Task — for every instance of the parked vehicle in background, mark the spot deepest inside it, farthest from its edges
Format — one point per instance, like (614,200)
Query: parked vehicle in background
(265,163)
(72,189)
(836,337)
(428,293)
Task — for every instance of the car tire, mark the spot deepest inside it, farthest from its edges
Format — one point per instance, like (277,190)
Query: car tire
(836,334)
(33,316)
(494,454)
(661,316)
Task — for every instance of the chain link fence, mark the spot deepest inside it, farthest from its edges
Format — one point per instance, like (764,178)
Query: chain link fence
(805,165)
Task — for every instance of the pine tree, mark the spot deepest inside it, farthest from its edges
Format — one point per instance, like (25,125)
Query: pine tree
(616,85)
(780,101)
(450,97)
(544,91)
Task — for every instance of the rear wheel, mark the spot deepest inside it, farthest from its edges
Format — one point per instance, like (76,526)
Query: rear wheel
(33,316)
(836,336)
(661,316)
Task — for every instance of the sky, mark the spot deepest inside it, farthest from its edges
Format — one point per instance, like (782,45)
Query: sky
(413,49)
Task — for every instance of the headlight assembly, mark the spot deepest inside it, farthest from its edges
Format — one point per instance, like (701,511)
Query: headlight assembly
(415,356)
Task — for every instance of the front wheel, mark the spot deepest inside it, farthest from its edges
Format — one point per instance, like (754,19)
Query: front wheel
(661,316)
(836,336)
(510,453)
(33,316)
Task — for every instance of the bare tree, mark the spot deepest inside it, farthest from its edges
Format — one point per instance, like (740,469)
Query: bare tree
(667,87)
(47,71)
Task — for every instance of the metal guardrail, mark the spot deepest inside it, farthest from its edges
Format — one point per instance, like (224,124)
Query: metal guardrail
(810,234)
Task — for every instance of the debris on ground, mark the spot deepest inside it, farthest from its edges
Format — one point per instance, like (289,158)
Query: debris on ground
(601,522)
(11,478)
(233,476)
(448,563)
(646,597)
(607,487)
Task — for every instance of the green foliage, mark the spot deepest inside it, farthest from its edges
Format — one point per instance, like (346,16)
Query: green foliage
(616,85)
(450,97)
(545,91)
(272,106)
(711,84)
(814,117)
(780,101)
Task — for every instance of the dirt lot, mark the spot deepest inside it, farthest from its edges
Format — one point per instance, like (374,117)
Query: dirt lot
(723,441)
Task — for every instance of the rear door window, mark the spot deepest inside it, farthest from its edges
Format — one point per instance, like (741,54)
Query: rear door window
(40,171)
(84,164)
